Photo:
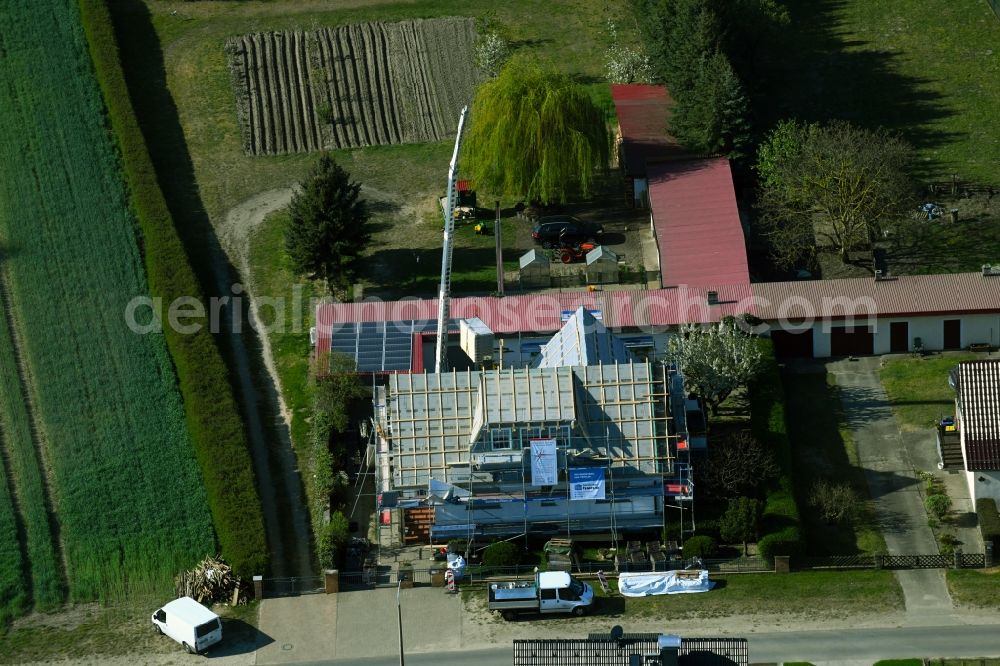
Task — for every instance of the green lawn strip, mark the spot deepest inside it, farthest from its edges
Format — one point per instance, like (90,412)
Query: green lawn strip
(273,278)
(48,588)
(89,632)
(899,662)
(822,448)
(780,526)
(918,388)
(923,67)
(214,423)
(977,589)
(113,417)
(815,593)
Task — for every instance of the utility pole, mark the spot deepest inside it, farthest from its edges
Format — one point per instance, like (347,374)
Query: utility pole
(399,619)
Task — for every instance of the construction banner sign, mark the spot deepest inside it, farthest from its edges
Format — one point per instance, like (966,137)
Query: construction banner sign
(586,483)
(544,462)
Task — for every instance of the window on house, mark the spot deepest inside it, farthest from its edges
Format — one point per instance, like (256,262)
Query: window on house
(501,438)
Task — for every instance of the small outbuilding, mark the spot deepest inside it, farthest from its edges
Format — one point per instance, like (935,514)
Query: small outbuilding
(535,270)
(602,266)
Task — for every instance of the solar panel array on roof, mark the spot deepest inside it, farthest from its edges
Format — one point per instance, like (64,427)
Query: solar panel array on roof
(382,346)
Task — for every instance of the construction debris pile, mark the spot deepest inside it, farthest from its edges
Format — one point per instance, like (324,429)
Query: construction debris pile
(213,581)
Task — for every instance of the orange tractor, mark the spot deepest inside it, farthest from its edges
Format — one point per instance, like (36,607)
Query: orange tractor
(576,252)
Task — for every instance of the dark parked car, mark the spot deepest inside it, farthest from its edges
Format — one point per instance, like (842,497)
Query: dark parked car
(564,231)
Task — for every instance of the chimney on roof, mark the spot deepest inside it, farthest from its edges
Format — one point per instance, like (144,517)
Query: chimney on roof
(713,297)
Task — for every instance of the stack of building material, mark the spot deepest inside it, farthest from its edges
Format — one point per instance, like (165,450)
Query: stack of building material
(561,555)
(210,580)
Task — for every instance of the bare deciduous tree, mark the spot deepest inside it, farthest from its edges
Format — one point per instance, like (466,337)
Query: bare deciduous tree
(837,503)
(836,186)
(739,465)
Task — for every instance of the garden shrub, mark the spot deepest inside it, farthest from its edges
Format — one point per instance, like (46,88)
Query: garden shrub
(938,504)
(332,540)
(700,546)
(211,410)
(501,554)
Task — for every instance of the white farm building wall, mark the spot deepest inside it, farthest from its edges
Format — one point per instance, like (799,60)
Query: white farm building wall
(984,484)
(975,328)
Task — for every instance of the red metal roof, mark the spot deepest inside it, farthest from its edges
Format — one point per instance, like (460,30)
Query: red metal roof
(912,295)
(697,223)
(904,295)
(542,313)
(642,112)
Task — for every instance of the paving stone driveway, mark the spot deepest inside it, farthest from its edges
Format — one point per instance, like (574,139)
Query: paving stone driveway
(892,481)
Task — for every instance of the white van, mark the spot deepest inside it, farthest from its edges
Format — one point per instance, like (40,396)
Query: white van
(189,623)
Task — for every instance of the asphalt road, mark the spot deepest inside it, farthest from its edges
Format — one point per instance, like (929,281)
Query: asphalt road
(863,646)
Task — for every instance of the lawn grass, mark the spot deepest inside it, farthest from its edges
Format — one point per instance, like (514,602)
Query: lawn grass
(899,662)
(918,388)
(822,448)
(273,278)
(974,588)
(813,593)
(926,68)
(89,632)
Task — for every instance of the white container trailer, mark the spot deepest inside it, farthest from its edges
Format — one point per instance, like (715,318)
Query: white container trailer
(189,623)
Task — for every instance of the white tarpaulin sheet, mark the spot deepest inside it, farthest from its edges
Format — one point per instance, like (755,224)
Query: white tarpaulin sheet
(664,582)
(544,466)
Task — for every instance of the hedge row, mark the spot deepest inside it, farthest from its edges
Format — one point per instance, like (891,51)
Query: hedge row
(780,526)
(211,409)
(989,521)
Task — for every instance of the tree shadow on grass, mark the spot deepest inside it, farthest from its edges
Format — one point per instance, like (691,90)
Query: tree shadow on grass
(815,72)
(145,75)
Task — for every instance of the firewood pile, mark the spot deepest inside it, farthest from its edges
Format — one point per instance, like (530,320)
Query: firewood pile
(213,581)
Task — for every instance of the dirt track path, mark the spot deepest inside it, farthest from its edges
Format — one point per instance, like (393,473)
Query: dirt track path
(262,398)
(264,395)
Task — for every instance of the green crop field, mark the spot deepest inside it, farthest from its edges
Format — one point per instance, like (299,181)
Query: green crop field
(25,479)
(126,489)
(13,595)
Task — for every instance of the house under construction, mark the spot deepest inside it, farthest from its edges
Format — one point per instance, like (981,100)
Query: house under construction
(583,443)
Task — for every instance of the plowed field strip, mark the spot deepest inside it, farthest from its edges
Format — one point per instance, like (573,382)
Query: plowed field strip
(381,83)
(381,55)
(31,481)
(304,90)
(253,96)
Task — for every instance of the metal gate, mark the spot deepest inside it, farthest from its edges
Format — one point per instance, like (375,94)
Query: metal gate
(293,587)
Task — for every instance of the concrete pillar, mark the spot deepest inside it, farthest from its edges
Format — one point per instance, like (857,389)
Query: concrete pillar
(782,564)
(957,559)
(258,587)
(989,554)
(332,581)
(878,560)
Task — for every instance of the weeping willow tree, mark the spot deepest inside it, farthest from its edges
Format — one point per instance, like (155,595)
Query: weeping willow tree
(535,134)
